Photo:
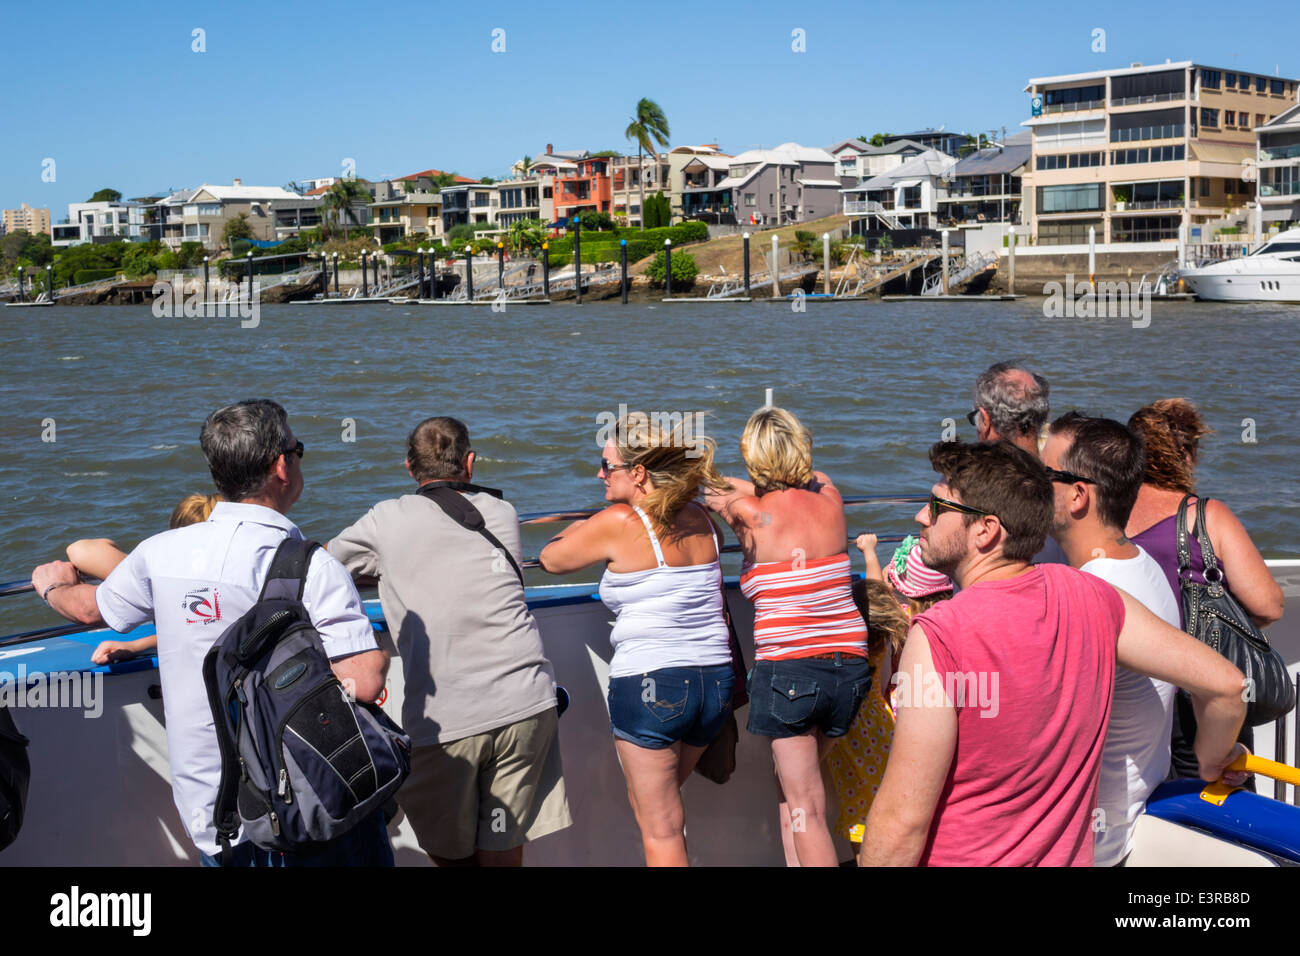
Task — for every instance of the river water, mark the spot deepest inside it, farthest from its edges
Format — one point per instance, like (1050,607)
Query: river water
(123,393)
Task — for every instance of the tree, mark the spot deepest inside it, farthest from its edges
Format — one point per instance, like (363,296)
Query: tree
(105,195)
(877,140)
(525,164)
(459,235)
(657,212)
(684,269)
(340,198)
(487,180)
(805,244)
(648,126)
(237,228)
(594,221)
(443,180)
(524,235)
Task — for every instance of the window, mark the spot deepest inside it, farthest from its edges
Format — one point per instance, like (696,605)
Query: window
(1243,81)
(769,199)
(1229,119)
(1068,161)
(1259,119)
(1072,198)
(1229,80)
(1209,118)
(546,192)
(1209,79)
(1259,83)
(196,230)
(749,199)
(912,197)
(1205,187)
(1066,233)
(1276,87)
(1152,154)
(1144,228)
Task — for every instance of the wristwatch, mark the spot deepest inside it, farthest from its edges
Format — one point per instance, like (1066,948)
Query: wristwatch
(46,595)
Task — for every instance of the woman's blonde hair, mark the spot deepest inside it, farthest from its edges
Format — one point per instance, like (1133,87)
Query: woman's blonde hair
(192,510)
(677,461)
(777,449)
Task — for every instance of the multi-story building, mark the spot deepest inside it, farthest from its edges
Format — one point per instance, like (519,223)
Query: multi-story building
(475,205)
(788,184)
(856,160)
(940,139)
(679,157)
(628,174)
(520,199)
(201,214)
(585,188)
(907,196)
(1279,170)
(1137,153)
(414,213)
(985,186)
(25,217)
(104,221)
(701,197)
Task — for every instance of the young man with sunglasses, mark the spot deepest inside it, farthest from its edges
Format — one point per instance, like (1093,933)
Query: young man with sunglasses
(1096,467)
(1022,787)
(479,695)
(194,582)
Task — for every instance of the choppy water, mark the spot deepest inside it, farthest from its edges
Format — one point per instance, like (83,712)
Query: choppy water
(874,381)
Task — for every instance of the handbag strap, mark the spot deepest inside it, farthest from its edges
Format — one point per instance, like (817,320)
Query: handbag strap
(1213,573)
(1184,552)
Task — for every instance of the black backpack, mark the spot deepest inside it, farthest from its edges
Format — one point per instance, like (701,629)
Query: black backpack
(301,762)
(15,774)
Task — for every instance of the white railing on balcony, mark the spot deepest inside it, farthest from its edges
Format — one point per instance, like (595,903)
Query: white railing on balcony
(1051,108)
(1281,152)
(1147,98)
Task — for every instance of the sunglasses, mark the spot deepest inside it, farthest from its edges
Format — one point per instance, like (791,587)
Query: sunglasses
(297,449)
(973,416)
(938,504)
(609,469)
(1067,477)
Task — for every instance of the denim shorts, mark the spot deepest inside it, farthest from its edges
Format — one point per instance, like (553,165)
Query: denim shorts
(793,697)
(659,708)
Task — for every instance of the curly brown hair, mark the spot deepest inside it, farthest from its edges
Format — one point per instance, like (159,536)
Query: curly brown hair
(1172,429)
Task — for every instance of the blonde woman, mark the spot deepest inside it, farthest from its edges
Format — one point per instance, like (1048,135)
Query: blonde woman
(671,676)
(811,670)
(97,557)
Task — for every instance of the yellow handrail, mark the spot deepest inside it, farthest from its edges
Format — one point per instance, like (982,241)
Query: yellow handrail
(1218,791)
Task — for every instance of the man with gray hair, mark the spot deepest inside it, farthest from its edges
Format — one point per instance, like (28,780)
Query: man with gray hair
(1011,404)
(194,582)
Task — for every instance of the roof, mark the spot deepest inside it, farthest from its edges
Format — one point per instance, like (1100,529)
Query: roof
(930,163)
(318,191)
(1102,74)
(1287,119)
(432,174)
(711,162)
(245,193)
(897,146)
(857,144)
(806,154)
(820,182)
(1007,159)
(422,199)
(702,150)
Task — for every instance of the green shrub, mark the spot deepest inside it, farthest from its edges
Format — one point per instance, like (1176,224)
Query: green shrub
(684,269)
(92,275)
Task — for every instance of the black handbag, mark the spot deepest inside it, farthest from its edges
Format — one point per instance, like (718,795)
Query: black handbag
(718,762)
(1212,615)
(15,774)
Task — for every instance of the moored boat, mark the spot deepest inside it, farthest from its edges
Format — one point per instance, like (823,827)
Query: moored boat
(1269,274)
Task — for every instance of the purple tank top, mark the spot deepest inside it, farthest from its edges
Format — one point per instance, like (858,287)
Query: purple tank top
(1161,542)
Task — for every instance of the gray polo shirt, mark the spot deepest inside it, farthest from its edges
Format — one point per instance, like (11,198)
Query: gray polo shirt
(471,652)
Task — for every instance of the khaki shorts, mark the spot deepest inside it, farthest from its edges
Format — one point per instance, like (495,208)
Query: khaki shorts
(491,791)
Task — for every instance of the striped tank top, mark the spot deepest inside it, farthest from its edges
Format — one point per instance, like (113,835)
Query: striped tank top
(804,611)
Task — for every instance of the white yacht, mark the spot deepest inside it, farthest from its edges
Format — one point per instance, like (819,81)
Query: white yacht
(1269,274)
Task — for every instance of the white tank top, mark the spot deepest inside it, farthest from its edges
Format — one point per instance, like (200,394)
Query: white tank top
(666,616)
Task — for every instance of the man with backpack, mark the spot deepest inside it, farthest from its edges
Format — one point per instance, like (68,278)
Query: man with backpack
(479,696)
(198,581)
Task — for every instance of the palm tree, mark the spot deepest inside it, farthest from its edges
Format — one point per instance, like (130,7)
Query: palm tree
(525,164)
(525,234)
(647,127)
(341,196)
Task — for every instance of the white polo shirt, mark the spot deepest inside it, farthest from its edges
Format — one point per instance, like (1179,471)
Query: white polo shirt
(194,582)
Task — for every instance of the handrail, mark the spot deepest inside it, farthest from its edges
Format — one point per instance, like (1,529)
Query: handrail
(1217,791)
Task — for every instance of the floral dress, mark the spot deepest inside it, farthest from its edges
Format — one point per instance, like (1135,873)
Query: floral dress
(857,761)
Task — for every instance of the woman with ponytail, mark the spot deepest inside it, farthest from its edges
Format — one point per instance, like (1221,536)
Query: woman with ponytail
(671,678)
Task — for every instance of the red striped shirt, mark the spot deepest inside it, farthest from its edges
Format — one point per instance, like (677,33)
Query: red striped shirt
(804,608)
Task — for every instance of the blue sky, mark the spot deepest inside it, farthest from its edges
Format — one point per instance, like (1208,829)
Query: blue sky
(115,95)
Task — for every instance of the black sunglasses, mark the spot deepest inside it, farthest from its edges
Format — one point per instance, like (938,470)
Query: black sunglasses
(938,504)
(606,467)
(297,449)
(973,417)
(1067,477)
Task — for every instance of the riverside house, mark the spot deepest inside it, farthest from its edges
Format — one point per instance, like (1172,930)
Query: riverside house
(788,184)
(413,213)
(906,197)
(1279,171)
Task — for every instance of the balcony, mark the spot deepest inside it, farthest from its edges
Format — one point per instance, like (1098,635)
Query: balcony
(1281,189)
(1051,108)
(1280,152)
(1148,98)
